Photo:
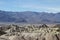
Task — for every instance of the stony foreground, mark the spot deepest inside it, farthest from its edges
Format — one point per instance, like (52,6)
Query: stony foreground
(41,32)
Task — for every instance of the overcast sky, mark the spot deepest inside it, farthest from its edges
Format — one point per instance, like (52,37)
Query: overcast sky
(30,5)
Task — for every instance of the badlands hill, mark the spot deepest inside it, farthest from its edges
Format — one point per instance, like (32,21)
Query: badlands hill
(30,32)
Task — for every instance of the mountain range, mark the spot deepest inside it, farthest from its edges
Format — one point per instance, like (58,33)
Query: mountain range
(29,17)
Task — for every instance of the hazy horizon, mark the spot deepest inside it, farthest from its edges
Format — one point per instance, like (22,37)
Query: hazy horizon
(30,5)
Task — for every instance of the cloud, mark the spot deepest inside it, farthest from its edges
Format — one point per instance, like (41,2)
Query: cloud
(39,5)
(42,8)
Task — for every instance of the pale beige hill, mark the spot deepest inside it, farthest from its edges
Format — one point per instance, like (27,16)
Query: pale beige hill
(42,32)
(50,36)
(15,38)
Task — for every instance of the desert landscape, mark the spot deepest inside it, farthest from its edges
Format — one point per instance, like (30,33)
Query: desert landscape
(30,32)
(29,19)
